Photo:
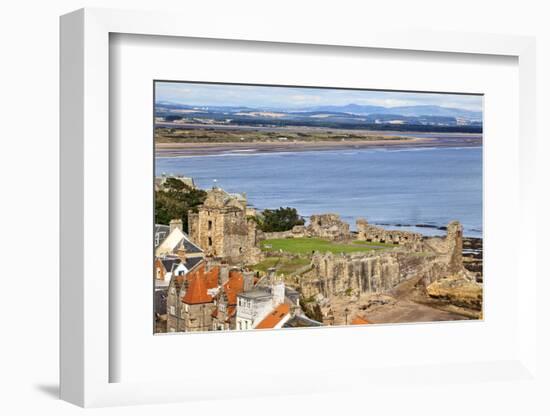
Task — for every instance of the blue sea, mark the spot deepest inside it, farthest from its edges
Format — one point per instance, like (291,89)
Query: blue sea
(400,187)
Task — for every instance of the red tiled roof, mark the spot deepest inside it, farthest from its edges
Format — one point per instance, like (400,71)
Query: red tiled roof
(211,277)
(358,320)
(276,316)
(197,291)
(233,286)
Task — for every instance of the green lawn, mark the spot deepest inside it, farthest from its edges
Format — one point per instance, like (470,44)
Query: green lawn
(283,265)
(308,245)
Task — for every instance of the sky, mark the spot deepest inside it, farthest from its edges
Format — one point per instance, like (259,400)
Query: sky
(294,98)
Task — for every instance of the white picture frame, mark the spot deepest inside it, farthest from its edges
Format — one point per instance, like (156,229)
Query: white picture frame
(85,201)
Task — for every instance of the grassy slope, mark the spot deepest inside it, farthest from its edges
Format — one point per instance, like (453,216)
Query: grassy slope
(284,265)
(308,245)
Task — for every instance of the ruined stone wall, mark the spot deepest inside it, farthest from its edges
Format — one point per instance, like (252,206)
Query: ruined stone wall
(298,231)
(328,226)
(334,275)
(449,248)
(372,233)
(345,274)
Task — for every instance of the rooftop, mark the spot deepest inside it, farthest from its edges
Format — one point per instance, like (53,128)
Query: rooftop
(257,293)
(276,316)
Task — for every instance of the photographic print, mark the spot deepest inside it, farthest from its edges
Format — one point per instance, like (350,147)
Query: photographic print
(294,207)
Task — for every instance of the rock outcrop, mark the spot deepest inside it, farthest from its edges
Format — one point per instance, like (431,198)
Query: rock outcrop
(457,290)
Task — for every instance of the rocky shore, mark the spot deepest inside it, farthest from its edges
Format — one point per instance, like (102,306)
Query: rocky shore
(472,256)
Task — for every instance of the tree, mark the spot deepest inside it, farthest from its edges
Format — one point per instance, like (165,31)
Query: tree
(175,204)
(280,219)
(175,183)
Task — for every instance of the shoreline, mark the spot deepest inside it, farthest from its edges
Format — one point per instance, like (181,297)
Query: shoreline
(207,149)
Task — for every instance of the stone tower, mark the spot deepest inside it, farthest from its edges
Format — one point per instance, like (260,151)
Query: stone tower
(222,229)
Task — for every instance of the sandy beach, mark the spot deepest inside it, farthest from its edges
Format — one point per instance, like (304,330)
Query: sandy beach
(202,149)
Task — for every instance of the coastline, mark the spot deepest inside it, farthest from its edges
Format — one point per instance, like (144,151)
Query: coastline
(205,149)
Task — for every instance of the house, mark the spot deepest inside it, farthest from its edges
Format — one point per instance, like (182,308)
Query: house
(190,300)
(178,242)
(164,267)
(224,316)
(254,305)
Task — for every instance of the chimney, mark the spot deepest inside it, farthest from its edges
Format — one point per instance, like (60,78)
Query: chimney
(271,273)
(224,274)
(176,223)
(248,280)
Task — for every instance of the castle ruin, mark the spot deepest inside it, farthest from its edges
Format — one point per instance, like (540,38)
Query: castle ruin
(431,259)
(223,228)
(375,234)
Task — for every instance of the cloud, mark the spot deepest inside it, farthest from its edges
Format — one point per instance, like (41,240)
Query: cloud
(295,97)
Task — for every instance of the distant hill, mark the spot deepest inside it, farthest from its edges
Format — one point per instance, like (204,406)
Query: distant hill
(416,110)
(350,116)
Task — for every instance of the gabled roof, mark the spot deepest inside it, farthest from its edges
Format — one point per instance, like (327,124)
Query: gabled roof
(233,286)
(169,262)
(276,316)
(192,262)
(162,232)
(200,281)
(197,292)
(189,246)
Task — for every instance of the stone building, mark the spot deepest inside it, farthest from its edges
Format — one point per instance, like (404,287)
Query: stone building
(190,300)
(375,234)
(205,298)
(223,228)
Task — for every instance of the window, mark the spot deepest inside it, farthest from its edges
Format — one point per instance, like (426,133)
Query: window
(172,310)
(210,241)
(209,225)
